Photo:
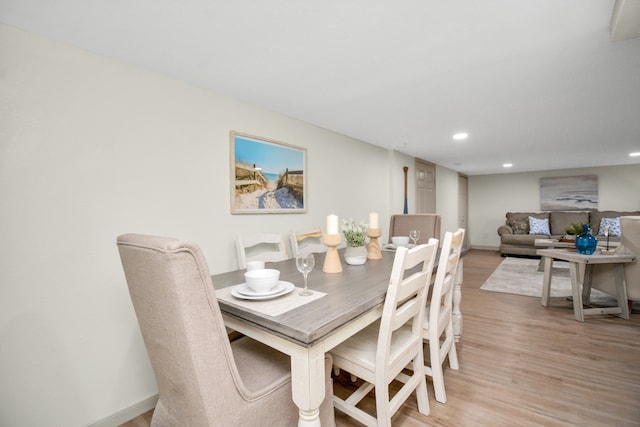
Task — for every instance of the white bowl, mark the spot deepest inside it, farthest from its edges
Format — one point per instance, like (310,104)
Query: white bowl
(400,240)
(264,280)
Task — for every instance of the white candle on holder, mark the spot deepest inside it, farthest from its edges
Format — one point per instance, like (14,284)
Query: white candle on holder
(373,220)
(332,224)
(606,231)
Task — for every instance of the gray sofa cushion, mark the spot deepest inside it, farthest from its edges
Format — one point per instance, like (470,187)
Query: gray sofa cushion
(520,239)
(560,220)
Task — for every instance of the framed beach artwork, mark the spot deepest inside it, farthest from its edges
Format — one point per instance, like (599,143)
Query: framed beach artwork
(267,176)
(569,193)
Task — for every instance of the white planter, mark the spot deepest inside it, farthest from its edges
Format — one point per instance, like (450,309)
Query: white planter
(355,255)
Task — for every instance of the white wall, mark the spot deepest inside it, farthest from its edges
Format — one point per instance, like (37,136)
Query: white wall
(90,149)
(447,198)
(492,196)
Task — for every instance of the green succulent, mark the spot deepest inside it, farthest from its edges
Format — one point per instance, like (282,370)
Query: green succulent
(575,228)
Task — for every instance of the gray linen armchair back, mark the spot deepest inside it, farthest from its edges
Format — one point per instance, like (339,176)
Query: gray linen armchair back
(603,275)
(428,224)
(203,379)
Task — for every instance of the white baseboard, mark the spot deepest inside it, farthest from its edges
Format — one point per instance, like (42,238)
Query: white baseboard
(127,414)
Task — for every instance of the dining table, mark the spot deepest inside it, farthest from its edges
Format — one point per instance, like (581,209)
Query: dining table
(307,327)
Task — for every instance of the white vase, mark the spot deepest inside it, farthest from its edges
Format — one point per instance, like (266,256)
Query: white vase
(355,255)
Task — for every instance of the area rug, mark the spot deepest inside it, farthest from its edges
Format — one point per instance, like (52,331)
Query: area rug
(520,276)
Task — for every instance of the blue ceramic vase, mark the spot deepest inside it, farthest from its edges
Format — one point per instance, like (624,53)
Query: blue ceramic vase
(586,241)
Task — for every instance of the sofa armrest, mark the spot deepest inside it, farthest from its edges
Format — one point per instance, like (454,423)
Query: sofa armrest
(504,229)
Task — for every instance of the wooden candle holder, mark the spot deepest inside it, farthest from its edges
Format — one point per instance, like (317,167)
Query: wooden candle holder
(373,249)
(332,262)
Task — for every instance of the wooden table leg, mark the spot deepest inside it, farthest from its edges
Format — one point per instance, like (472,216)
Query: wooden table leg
(546,281)
(307,383)
(621,288)
(576,290)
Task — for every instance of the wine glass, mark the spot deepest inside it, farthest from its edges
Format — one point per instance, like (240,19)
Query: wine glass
(305,264)
(414,235)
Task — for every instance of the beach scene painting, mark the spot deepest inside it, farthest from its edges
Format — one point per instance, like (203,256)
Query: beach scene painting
(569,193)
(267,176)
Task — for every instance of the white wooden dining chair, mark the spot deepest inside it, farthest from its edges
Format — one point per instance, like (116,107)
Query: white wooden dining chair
(307,242)
(268,247)
(379,353)
(438,324)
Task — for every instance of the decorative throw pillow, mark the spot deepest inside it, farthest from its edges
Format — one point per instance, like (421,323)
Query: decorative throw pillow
(519,225)
(539,226)
(614,226)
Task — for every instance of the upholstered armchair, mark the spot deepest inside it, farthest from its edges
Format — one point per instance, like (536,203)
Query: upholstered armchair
(203,379)
(428,224)
(603,277)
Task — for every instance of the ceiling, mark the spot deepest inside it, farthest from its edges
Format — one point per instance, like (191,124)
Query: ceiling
(536,83)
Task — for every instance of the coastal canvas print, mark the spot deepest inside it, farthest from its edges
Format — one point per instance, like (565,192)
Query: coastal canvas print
(569,193)
(267,176)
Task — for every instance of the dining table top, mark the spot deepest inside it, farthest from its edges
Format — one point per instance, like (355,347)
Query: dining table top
(348,294)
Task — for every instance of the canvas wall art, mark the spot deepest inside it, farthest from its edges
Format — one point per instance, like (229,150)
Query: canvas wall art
(569,193)
(267,176)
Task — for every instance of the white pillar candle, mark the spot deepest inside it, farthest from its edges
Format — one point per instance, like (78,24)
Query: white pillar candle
(373,220)
(606,231)
(332,224)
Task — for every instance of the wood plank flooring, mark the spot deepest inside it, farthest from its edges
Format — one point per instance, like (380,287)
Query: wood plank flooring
(524,365)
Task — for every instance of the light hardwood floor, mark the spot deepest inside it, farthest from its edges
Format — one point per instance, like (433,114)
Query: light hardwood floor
(524,365)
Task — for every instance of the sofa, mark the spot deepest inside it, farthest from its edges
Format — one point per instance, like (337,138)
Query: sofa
(516,238)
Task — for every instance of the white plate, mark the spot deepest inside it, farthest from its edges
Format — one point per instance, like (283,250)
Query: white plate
(247,291)
(392,247)
(284,289)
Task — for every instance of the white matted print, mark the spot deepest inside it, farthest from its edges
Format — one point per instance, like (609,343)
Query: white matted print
(267,176)
(569,193)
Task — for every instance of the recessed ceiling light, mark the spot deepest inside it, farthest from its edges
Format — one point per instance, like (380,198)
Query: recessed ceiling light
(634,154)
(507,165)
(460,136)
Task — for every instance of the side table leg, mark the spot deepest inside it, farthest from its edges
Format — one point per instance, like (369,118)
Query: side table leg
(576,290)
(456,314)
(621,290)
(546,280)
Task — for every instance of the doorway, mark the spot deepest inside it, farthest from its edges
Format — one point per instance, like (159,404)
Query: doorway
(425,186)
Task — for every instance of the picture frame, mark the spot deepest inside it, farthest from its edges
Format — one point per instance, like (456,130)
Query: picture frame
(569,193)
(267,176)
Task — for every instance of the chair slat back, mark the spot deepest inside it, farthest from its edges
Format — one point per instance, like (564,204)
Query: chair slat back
(406,296)
(306,242)
(268,247)
(442,294)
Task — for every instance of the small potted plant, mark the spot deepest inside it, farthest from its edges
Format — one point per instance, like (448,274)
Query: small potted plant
(573,230)
(355,234)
